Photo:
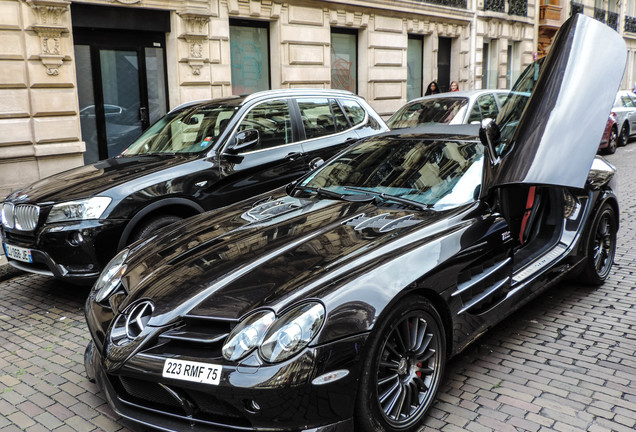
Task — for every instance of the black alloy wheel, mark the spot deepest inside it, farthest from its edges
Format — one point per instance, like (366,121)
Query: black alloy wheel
(601,247)
(624,136)
(403,370)
(612,141)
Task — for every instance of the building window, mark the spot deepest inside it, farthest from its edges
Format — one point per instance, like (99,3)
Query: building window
(415,66)
(632,84)
(513,65)
(344,60)
(484,65)
(249,54)
(489,65)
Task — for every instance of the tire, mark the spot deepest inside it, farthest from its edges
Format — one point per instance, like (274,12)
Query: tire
(601,247)
(149,226)
(623,138)
(394,372)
(612,141)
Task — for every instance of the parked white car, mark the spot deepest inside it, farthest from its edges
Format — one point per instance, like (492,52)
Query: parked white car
(625,111)
(451,108)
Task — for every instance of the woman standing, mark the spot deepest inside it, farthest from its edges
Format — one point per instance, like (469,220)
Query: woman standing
(454,86)
(432,89)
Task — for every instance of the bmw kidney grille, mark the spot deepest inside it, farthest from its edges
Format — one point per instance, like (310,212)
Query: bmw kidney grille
(23,217)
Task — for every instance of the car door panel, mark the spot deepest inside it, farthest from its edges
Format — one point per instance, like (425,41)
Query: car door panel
(277,156)
(547,145)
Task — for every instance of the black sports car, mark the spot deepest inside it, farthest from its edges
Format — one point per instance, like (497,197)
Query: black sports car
(334,303)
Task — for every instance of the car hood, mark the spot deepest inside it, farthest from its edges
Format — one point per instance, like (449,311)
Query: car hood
(94,179)
(561,127)
(228,263)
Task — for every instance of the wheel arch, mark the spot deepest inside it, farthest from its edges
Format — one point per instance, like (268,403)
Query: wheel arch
(444,312)
(436,301)
(605,198)
(175,206)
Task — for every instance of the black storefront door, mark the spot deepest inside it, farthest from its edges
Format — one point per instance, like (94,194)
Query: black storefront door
(121,78)
(444,63)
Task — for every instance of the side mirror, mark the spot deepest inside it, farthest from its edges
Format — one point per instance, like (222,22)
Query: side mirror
(244,140)
(490,137)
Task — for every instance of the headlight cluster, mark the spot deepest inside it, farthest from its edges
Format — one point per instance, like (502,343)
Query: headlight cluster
(110,277)
(276,339)
(91,208)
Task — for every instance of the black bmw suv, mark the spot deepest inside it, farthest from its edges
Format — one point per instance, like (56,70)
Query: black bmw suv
(200,156)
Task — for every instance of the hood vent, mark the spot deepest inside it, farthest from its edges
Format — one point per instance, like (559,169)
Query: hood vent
(269,209)
(383,223)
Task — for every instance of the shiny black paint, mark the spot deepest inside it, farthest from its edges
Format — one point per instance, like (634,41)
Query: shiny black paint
(358,283)
(182,185)
(213,271)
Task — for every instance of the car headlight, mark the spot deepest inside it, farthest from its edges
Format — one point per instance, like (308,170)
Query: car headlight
(110,277)
(247,335)
(91,208)
(292,332)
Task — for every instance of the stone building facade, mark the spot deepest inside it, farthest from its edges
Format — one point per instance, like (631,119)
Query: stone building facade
(617,14)
(59,110)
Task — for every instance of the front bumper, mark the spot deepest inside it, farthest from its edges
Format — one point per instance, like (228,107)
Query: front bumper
(74,251)
(278,397)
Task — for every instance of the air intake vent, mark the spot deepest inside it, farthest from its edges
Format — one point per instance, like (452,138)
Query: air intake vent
(382,223)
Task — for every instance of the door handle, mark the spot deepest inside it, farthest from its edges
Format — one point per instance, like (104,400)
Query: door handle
(293,156)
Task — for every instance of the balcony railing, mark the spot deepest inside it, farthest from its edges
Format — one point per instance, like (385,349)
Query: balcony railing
(630,24)
(518,7)
(495,5)
(599,14)
(576,7)
(612,20)
(452,3)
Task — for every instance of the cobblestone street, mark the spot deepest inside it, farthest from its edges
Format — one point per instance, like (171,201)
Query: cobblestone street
(565,362)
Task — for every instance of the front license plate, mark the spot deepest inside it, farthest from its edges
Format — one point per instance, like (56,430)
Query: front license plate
(18,253)
(192,371)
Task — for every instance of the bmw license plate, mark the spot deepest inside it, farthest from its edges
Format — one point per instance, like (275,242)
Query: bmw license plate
(205,373)
(18,253)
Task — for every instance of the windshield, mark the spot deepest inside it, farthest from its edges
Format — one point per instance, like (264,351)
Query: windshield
(447,110)
(440,174)
(516,102)
(191,130)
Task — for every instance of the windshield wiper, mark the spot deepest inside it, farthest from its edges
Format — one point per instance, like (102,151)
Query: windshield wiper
(326,193)
(394,198)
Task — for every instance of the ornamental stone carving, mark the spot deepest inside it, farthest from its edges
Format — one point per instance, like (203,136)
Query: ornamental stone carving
(50,27)
(196,35)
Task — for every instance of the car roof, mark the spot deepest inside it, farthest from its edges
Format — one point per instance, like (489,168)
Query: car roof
(266,94)
(463,93)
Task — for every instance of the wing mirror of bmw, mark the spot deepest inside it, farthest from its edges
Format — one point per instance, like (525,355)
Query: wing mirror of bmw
(244,140)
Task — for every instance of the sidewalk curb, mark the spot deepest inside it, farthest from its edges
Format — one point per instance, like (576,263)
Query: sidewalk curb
(7,271)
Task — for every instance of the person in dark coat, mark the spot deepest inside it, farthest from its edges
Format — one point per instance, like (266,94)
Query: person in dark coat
(432,88)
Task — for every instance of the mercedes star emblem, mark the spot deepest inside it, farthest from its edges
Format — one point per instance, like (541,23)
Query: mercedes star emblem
(138,319)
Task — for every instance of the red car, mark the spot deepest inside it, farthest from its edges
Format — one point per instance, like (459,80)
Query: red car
(609,142)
